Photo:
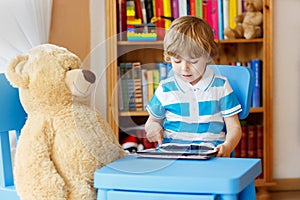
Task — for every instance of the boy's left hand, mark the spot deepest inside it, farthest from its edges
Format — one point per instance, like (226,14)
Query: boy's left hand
(223,150)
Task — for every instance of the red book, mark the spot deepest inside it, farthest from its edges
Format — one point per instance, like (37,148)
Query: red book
(204,10)
(138,9)
(252,141)
(122,19)
(160,23)
(244,143)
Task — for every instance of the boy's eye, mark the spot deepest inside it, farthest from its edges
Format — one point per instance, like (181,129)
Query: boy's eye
(194,61)
(177,61)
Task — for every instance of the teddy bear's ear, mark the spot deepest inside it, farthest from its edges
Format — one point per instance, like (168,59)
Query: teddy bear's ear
(15,72)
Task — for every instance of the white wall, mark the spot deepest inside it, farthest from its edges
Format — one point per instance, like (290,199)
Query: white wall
(286,59)
(98,53)
(286,84)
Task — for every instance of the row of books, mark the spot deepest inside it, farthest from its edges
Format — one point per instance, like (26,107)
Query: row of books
(256,66)
(136,84)
(219,14)
(251,144)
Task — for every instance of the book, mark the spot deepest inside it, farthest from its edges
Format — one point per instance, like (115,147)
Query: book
(199,8)
(137,84)
(149,10)
(121,20)
(175,9)
(204,10)
(160,23)
(138,10)
(244,142)
(120,91)
(167,13)
(130,86)
(144,88)
(193,7)
(156,79)
(256,66)
(251,142)
(150,84)
(220,20)
(144,12)
(232,13)
(182,5)
(239,7)
(123,77)
(188,9)
(225,15)
(212,17)
(260,144)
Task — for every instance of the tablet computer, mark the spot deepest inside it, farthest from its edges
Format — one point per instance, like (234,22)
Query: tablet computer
(179,151)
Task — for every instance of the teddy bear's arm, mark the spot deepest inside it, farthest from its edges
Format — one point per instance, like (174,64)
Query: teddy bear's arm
(111,135)
(35,174)
(240,18)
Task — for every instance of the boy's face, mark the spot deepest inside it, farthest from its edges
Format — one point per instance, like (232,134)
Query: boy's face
(189,70)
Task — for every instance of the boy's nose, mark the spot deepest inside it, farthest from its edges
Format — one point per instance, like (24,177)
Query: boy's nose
(185,66)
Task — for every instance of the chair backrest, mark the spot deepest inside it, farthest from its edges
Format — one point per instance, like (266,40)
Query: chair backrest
(241,80)
(12,118)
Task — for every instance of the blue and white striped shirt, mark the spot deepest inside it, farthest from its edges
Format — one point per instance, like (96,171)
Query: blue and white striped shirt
(194,113)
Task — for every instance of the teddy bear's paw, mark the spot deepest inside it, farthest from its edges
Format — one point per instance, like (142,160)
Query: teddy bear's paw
(229,33)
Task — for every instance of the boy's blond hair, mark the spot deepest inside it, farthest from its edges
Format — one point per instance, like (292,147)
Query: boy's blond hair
(190,37)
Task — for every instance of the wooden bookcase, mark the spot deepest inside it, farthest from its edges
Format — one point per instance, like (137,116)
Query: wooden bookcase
(230,50)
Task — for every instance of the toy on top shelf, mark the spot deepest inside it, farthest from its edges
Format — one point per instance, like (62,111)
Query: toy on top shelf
(249,22)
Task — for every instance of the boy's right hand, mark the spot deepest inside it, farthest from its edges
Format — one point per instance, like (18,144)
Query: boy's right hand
(155,132)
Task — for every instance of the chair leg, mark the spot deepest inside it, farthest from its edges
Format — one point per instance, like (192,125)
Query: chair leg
(6,179)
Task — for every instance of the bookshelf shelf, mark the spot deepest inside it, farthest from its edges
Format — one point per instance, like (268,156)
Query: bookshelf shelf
(160,42)
(230,51)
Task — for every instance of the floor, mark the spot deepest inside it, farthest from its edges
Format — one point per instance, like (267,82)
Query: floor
(293,195)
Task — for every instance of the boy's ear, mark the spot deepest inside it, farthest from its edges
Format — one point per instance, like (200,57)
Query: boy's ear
(14,72)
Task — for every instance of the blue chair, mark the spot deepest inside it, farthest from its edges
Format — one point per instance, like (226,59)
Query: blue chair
(12,118)
(218,178)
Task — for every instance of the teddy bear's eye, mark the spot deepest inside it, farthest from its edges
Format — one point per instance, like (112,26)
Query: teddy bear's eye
(69,68)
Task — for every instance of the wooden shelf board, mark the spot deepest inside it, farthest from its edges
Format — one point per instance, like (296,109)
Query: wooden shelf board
(160,42)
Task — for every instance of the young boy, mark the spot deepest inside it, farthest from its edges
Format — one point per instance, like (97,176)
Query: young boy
(194,105)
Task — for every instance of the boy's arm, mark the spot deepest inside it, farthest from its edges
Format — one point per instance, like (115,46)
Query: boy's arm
(154,130)
(233,136)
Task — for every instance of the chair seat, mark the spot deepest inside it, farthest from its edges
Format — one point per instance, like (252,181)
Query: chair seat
(9,193)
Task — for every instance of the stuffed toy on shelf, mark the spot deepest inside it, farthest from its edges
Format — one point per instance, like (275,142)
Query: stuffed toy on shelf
(249,23)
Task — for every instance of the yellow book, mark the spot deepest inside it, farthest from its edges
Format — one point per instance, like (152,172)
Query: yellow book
(232,13)
(167,13)
(150,84)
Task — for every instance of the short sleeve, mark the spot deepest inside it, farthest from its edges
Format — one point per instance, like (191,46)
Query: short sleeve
(229,102)
(155,107)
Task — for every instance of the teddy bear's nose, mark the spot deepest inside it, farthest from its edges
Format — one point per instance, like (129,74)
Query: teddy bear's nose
(89,76)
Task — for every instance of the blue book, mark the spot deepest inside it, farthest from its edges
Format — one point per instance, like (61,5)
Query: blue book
(256,66)
(220,20)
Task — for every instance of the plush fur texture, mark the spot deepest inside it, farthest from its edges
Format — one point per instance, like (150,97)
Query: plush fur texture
(63,141)
(249,23)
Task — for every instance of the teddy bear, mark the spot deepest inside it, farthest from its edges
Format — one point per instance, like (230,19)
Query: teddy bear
(63,140)
(249,23)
